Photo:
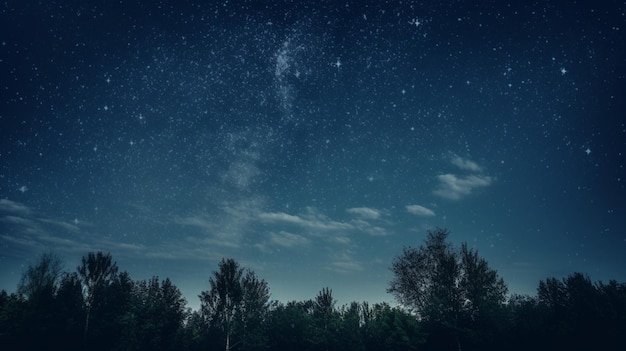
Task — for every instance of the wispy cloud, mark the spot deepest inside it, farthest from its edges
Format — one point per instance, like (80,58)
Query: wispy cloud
(13,207)
(345,266)
(316,223)
(420,210)
(211,232)
(368,228)
(286,239)
(465,164)
(454,187)
(281,217)
(365,212)
(344,262)
(37,233)
(311,220)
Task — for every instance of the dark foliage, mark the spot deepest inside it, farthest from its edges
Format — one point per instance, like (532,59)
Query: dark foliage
(452,300)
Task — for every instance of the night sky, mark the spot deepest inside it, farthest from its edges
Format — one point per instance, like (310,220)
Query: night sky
(311,141)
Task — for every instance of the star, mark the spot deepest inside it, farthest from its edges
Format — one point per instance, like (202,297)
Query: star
(415,22)
(588,151)
(563,70)
(337,64)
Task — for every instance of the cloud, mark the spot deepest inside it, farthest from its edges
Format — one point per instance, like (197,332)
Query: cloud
(365,212)
(281,217)
(197,221)
(344,262)
(70,227)
(345,266)
(316,223)
(311,220)
(213,233)
(36,232)
(455,187)
(368,228)
(420,210)
(465,164)
(13,207)
(287,239)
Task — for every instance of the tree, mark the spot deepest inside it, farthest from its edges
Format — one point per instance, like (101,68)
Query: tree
(39,285)
(233,301)
(69,302)
(289,326)
(96,272)
(484,296)
(425,279)
(326,319)
(12,309)
(450,290)
(254,309)
(154,317)
(388,328)
(350,328)
(41,278)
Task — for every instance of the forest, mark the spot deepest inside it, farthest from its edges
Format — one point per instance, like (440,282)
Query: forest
(448,299)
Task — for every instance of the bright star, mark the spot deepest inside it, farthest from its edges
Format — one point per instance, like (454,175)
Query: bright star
(588,151)
(415,22)
(337,64)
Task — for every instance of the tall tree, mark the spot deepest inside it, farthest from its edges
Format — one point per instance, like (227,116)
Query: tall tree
(234,300)
(96,272)
(449,289)
(425,279)
(254,309)
(326,319)
(484,296)
(350,329)
(39,284)
(42,277)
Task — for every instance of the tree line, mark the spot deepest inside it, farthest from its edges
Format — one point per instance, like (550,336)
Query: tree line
(448,299)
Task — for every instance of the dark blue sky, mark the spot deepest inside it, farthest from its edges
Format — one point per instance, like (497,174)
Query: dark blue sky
(311,142)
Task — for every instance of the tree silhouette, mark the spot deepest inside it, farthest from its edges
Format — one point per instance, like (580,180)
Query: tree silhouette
(41,278)
(450,298)
(235,302)
(325,318)
(96,272)
(454,292)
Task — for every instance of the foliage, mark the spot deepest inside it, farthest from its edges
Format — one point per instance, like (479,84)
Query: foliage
(454,292)
(236,305)
(459,303)
(41,278)
(104,295)
(154,317)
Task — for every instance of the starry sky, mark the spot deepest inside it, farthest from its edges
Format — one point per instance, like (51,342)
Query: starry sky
(311,141)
